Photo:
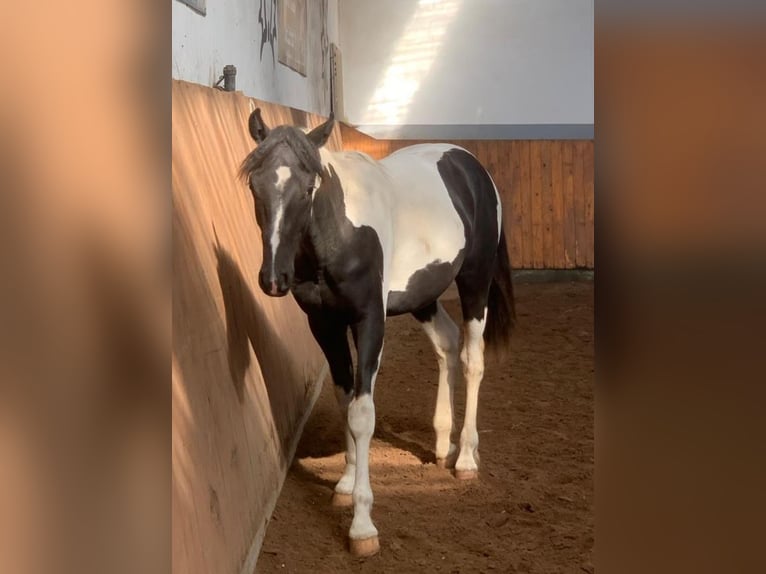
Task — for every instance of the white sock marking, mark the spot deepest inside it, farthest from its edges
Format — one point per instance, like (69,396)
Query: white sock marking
(361,421)
(472,357)
(444,335)
(346,483)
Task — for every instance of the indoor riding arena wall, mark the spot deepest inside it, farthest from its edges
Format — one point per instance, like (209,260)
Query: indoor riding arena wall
(546,187)
(246,370)
(245,367)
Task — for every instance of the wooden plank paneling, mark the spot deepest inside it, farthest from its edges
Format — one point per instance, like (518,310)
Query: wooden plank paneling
(536,213)
(588,192)
(547,201)
(557,199)
(513,218)
(579,206)
(546,188)
(568,205)
(525,191)
(547,204)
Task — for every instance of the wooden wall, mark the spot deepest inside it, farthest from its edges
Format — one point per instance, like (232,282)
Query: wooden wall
(245,366)
(546,187)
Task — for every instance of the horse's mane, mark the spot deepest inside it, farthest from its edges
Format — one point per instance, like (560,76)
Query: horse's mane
(296,140)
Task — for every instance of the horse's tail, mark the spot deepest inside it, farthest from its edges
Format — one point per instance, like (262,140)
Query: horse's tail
(501,312)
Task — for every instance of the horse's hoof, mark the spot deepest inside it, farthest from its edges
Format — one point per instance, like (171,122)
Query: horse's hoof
(342,499)
(441,462)
(364,547)
(466,474)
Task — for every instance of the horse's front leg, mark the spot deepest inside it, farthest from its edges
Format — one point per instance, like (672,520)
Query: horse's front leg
(368,334)
(332,336)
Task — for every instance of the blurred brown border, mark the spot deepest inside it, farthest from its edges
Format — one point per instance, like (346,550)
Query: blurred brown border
(680,244)
(84,290)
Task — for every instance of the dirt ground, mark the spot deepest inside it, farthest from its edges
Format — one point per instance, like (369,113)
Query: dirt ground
(531,510)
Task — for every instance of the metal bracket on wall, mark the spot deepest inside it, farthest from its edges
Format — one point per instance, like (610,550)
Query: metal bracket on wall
(229,79)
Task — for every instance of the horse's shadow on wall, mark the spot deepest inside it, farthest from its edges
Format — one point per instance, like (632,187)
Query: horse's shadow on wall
(240,315)
(247,325)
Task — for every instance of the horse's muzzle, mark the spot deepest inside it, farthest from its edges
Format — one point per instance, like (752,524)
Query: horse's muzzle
(274,285)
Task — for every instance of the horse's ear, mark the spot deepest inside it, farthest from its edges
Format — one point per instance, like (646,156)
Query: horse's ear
(320,134)
(258,128)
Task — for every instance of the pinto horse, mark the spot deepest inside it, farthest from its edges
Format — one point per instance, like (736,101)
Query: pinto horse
(357,240)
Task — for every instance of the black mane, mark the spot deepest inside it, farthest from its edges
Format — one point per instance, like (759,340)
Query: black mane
(307,154)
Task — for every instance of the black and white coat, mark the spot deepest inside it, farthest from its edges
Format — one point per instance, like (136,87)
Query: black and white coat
(357,240)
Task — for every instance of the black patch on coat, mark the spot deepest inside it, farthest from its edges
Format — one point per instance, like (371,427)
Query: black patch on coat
(425,314)
(424,286)
(338,283)
(332,337)
(338,267)
(473,194)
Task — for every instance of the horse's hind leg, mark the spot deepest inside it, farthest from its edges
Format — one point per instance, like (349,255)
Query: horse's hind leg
(472,357)
(333,339)
(473,291)
(445,337)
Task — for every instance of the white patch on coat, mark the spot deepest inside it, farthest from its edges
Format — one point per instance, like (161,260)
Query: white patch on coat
(283,174)
(361,421)
(404,199)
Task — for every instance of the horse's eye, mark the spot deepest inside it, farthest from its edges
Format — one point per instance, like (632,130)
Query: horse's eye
(310,189)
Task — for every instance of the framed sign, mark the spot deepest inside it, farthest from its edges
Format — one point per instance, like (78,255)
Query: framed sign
(291,37)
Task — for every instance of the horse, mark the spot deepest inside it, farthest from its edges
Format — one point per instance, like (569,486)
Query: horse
(356,240)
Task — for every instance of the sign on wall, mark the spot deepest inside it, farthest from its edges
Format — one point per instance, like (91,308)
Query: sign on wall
(292,35)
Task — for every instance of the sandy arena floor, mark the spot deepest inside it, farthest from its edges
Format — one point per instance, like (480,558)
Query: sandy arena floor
(531,509)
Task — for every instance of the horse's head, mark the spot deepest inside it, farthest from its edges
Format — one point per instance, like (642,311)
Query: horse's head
(282,173)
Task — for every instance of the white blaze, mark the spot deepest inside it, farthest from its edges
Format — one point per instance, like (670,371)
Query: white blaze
(283,174)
